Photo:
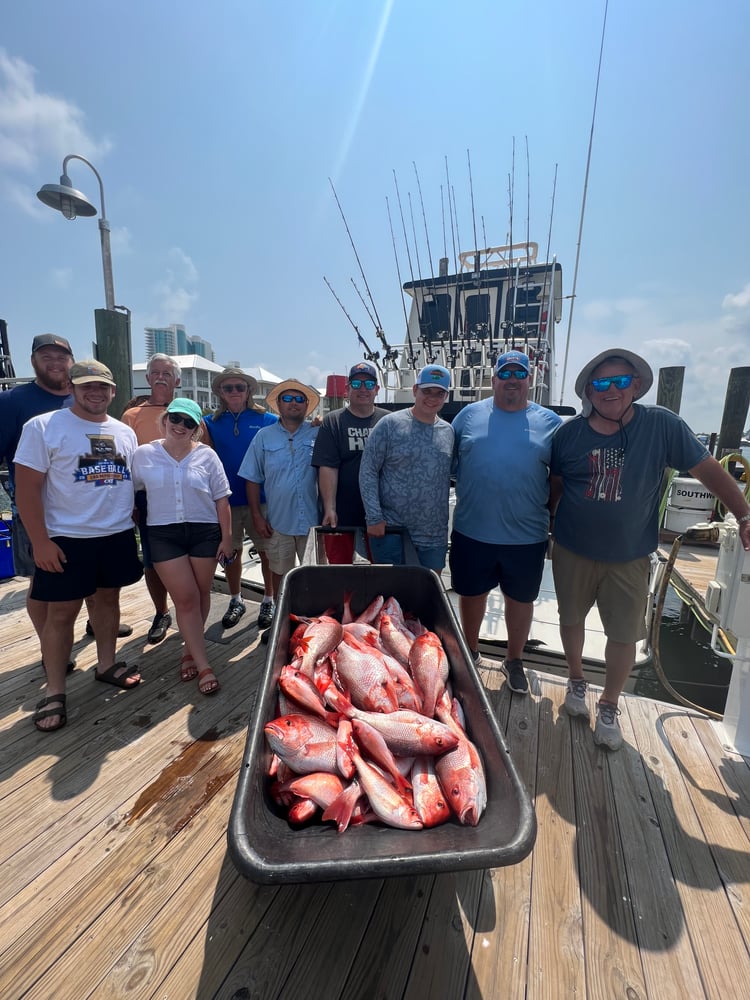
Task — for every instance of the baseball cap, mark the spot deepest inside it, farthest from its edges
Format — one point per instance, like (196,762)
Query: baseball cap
(363,370)
(90,371)
(50,340)
(512,358)
(434,375)
(188,407)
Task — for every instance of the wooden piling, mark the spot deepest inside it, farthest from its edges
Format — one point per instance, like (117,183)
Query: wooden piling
(736,405)
(669,391)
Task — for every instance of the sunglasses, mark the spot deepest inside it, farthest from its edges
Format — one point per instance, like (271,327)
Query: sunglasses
(177,418)
(289,397)
(507,373)
(357,383)
(232,387)
(618,381)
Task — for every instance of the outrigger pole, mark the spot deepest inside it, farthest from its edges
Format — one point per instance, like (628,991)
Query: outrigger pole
(369,355)
(412,356)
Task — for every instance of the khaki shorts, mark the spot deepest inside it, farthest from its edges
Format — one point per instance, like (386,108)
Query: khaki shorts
(619,590)
(282,550)
(242,527)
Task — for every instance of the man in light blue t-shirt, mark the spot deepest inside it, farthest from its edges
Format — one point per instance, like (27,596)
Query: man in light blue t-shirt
(607,466)
(501,521)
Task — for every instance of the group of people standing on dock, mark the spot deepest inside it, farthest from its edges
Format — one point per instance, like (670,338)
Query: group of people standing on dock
(79,478)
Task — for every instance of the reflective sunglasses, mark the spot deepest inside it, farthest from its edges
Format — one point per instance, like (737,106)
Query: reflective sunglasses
(507,373)
(177,418)
(234,387)
(618,381)
(289,397)
(357,383)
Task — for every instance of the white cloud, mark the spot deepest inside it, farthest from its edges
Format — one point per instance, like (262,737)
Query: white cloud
(61,277)
(35,125)
(737,300)
(176,291)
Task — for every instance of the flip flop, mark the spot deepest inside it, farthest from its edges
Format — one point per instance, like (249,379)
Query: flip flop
(188,669)
(44,712)
(215,685)
(118,674)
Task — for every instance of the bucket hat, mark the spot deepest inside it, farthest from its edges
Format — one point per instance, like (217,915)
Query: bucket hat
(641,368)
(233,372)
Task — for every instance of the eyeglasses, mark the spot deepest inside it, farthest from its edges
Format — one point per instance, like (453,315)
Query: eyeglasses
(357,383)
(234,387)
(288,397)
(507,373)
(177,418)
(619,382)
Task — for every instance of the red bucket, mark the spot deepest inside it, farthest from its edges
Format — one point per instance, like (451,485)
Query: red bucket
(336,386)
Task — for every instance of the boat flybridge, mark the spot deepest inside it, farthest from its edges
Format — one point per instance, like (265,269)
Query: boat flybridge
(500,299)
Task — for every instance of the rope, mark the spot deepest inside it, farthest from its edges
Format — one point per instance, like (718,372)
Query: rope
(724,463)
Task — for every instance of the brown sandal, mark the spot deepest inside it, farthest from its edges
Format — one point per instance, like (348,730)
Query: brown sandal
(188,669)
(44,711)
(208,686)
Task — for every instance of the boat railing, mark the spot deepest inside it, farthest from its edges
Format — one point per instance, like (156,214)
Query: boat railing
(505,256)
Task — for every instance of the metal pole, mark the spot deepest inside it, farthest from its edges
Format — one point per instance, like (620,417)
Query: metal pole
(109,282)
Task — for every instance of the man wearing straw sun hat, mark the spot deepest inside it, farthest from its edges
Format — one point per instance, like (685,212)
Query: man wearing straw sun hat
(279,458)
(607,466)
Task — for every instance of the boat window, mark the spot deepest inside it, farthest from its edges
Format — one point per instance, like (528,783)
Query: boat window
(434,321)
(522,308)
(477,314)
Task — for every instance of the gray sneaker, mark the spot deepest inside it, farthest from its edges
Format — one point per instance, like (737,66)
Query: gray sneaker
(265,615)
(513,670)
(607,732)
(575,698)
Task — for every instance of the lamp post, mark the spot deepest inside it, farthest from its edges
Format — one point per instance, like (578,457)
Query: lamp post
(112,327)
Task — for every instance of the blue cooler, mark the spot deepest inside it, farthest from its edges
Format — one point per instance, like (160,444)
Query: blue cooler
(6,551)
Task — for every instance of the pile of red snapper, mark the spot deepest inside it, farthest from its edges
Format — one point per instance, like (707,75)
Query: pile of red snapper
(368,728)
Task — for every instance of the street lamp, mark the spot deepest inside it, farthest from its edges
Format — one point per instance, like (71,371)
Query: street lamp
(112,327)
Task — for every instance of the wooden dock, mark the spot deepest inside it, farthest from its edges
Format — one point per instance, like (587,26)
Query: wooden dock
(116,880)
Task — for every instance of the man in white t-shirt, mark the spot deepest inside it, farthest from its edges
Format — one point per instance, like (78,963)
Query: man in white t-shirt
(75,496)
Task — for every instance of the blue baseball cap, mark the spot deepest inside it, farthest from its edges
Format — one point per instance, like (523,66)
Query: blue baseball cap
(512,358)
(434,375)
(363,370)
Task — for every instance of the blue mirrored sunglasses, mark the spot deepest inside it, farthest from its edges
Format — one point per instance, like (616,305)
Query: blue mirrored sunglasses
(288,397)
(507,373)
(619,382)
(357,383)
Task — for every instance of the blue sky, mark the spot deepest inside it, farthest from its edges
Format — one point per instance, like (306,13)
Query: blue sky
(216,127)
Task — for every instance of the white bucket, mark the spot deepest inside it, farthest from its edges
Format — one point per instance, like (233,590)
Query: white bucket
(690,493)
(679,519)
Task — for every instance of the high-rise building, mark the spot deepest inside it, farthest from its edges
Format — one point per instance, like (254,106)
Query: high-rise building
(173,340)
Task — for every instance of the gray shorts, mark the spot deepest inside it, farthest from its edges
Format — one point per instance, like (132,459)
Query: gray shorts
(23,554)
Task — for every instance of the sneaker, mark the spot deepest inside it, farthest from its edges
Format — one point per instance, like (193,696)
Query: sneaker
(513,670)
(160,624)
(265,616)
(122,633)
(575,698)
(234,612)
(607,732)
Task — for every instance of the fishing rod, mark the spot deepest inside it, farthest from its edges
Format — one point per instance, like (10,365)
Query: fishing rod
(408,254)
(432,269)
(583,204)
(477,258)
(390,353)
(411,358)
(430,354)
(369,354)
(457,324)
(453,350)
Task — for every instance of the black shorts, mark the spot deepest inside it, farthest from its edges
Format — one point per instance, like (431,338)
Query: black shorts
(92,564)
(478,567)
(191,538)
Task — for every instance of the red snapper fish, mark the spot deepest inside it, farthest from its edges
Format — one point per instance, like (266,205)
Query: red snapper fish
(394,640)
(461,776)
(429,668)
(303,743)
(406,733)
(372,610)
(321,637)
(366,677)
(303,691)
(372,742)
(388,804)
(429,800)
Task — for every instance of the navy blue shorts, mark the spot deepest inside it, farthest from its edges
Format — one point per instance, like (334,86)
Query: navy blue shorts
(190,538)
(92,564)
(478,567)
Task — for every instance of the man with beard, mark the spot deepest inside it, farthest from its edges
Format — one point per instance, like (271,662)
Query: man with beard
(163,377)
(279,458)
(51,359)
(337,456)
(75,495)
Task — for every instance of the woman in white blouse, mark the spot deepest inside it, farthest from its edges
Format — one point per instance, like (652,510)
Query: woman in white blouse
(190,526)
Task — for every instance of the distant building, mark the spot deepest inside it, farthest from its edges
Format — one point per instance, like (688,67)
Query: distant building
(174,341)
(196,375)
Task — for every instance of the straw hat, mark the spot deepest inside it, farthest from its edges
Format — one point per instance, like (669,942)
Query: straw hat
(639,366)
(292,385)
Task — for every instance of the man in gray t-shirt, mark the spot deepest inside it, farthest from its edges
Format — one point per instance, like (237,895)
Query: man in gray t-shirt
(606,470)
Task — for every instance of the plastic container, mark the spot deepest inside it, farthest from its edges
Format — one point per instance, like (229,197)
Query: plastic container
(7,569)
(266,849)
(691,493)
(679,519)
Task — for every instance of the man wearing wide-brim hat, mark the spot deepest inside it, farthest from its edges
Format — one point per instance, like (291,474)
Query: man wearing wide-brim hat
(606,469)
(279,460)
(230,429)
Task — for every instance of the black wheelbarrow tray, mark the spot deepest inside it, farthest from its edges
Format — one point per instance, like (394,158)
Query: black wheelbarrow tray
(263,845)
